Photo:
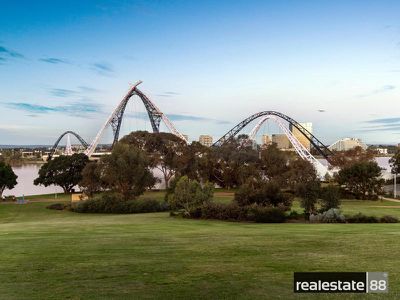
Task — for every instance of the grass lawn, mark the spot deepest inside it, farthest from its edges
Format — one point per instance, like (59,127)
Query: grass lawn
(47,254)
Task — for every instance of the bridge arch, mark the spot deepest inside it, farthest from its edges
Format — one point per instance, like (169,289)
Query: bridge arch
(115,119)
(80,139)
(317,144)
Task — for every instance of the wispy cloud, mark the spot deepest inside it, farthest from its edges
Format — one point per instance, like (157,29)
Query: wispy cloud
(385,120)
(62,92)
(383,124)
(177,118)
(78,109)
(79,91)
(7,54)
(168,94)
(88,89)
(380,90)
(54,60)
(103,68)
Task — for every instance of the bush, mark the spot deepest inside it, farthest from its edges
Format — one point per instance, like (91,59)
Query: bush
(332,215)
(294,215)
(56,206)
(361,218)
(389,219)
(263,193)
(190,195)
(220,211)
(262,214)
(113,203)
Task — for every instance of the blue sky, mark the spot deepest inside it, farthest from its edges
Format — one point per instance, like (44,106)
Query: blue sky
(64,65)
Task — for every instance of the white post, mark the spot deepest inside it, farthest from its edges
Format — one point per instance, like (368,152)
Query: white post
(395,188)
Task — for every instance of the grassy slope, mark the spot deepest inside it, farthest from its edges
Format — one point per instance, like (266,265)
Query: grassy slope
(47,254)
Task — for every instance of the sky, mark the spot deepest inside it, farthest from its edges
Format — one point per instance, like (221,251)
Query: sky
(65,65)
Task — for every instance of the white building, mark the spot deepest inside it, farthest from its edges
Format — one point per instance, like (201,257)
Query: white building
(347,144)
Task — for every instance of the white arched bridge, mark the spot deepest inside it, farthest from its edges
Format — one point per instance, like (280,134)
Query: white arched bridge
(156,116)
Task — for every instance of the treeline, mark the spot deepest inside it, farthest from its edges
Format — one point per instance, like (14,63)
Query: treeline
(266,181)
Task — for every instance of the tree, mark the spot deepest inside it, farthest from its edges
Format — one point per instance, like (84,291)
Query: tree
(92,182)
(127,171)
(362,179)
(309,193)
(190,194)
(164,150)
(300,171)
(231,164)
(344,159)
(8,179)
(64,171)
(274,162)
(394,162)
(330,197)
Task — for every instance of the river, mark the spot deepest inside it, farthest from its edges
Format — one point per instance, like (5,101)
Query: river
(28,172)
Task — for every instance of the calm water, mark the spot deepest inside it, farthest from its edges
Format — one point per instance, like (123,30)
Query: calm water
(27,174)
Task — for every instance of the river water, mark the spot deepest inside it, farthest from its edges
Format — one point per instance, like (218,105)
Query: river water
(28,172)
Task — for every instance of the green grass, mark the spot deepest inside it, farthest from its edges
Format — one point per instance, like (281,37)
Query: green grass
(47,254)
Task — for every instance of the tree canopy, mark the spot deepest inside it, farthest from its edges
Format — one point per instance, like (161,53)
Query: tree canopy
(395,162)
(8,179)
(64,171)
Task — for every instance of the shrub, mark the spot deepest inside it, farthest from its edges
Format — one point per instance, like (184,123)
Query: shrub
(220,211)
(113,203)
(332,215)
(264,194)
(56,206)
(361,218)
(294,215)
(189,195)
(389,219)
(262,214)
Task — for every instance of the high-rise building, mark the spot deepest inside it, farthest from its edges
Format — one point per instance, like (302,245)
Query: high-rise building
(266,139)
(281,141)
(206,140)
(299,135)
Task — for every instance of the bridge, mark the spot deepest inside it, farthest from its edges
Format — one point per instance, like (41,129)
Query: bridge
(156,116)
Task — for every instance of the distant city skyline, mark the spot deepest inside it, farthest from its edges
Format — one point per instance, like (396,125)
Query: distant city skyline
(206,64)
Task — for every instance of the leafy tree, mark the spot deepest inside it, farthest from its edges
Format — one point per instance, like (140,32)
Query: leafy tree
(274,162)
(195,162)
(309,193)
(231,164)
(395,162)
(92,182)
(127,171)
(64,171)
(300,171)
(362,179)
(190,194)
(344,159)
(8,179)
(330,197)
(163,149)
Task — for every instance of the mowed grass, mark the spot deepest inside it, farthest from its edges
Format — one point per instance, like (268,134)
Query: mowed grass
(47,254)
